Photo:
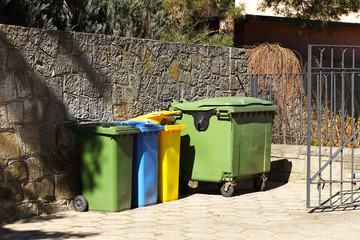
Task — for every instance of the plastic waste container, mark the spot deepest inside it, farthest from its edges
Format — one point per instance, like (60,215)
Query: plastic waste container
(226,140)
(169,153)
(145,163)
(105,152)
(161,117)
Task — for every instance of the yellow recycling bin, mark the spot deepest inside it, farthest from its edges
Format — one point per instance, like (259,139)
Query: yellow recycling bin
(168,153)
(169,163)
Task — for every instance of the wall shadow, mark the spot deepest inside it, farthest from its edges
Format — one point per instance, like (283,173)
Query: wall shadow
(6,232)
(38,116)
(280,170)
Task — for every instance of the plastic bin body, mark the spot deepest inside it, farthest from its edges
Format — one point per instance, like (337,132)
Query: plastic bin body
(168,163)
(169,154)
(226,139)
(145,164)
(105,153)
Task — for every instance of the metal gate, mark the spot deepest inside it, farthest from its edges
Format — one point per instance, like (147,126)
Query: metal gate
(333,126)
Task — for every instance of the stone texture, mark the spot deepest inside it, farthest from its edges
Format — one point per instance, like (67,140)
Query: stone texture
(15,61)
(7,214)
(66,187)
(84,108)
(15,112)
(23,83)
(55,112)
(120,112)
(29,139)
(72,84)
(44,64)
(7,88)
(55,87)
(3,56)
(38,167)
(41,108)
(71,103)
(1,175)
(4,123)
(8,145)
(55,207)
(27,209)
(62,64)
(45,189)
(39,84)
(30,114)
(30,191)
(63,136)
(62,162)
(10,194)
(15,172)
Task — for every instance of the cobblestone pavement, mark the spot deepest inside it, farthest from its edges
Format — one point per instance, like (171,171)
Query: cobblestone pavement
(277,213)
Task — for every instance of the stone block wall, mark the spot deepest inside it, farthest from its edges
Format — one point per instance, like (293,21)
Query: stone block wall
(295,159)
(49,79)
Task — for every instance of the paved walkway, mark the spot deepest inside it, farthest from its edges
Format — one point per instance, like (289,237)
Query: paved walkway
(278,213)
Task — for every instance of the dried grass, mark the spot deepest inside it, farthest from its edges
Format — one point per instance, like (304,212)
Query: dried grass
(274,59)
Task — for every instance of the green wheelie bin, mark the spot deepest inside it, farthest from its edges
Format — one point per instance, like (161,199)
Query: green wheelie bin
(227,139)
(105,153)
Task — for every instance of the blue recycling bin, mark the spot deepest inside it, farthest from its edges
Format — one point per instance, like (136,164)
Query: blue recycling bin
(145,163)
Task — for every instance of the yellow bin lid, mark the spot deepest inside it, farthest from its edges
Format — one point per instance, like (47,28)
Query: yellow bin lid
(161,117)
(175,127)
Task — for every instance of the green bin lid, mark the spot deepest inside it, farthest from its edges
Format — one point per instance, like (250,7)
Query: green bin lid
(104,128)
(231,104)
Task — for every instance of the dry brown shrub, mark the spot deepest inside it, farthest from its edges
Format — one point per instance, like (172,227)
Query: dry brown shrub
(274,59)
(281,62)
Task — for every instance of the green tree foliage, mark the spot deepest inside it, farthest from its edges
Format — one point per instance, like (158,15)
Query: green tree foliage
(190,20)
(172,20)
(128,18)
(312,13)
(34,13)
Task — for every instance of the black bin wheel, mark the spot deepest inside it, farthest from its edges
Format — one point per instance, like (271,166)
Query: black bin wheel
(80,203)
(259,184)
(229,191)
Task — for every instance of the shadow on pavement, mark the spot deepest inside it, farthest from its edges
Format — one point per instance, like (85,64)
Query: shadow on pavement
(334,209)
(13,234)
(279,175)
(241,188)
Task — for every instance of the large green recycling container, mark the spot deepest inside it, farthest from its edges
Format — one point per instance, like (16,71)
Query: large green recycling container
(105,152)
(227,139)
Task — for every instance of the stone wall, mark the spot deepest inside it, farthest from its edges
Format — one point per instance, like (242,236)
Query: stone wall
(291,161)
(50,78)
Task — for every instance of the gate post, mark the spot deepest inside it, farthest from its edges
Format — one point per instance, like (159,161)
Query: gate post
(308,165)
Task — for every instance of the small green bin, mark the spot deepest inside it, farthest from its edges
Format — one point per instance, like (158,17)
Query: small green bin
(227,139)
(105,154)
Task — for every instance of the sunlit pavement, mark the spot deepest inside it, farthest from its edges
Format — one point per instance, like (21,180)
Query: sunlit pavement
(277,213)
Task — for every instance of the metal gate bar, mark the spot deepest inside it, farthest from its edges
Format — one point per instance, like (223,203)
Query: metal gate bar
(319,73)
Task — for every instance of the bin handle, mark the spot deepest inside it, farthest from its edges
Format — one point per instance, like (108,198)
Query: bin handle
(201,119)
(223,115)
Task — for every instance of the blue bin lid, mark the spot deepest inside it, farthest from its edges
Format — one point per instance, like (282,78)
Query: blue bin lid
(143,126)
